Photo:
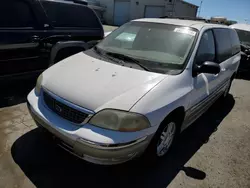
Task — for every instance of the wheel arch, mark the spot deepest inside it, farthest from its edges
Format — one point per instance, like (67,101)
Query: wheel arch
(178,114)
(66,52)
(59,46)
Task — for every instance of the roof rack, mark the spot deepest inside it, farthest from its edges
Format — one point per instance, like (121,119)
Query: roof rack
(185,18)
(192,18)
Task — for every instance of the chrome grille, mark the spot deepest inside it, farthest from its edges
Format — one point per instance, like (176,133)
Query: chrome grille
(63,110)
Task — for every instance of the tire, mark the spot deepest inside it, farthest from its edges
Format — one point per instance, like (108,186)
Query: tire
(168,132)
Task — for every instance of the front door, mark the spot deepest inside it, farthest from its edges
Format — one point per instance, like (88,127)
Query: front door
(204,85)
(19,41)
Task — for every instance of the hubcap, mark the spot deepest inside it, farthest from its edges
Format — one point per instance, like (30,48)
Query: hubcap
(166,139)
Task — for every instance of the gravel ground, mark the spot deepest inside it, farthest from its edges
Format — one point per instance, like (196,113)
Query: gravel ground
(214,152)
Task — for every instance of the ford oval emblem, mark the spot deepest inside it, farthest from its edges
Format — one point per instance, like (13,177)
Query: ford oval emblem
(58,108)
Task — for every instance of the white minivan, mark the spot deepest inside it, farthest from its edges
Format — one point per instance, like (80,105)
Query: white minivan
(136,90)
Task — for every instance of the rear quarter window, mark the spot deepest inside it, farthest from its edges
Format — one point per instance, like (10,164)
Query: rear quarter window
(235,42)
(16,14)
(70,15)
(223,44)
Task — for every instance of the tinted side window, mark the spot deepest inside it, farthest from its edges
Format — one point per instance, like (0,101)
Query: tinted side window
(15,14)
(70,15)
(206,50)
(223,44)
(235,42)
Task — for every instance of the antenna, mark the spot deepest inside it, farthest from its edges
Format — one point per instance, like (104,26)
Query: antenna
(199,12)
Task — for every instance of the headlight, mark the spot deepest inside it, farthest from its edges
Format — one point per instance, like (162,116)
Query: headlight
(120,120)
(38,84)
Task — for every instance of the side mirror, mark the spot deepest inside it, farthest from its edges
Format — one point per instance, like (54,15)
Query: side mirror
(207,67)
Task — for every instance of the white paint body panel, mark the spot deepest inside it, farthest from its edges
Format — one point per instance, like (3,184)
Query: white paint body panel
(245,27)
(95,84)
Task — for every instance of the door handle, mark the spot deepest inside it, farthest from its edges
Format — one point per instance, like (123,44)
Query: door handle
(35,38)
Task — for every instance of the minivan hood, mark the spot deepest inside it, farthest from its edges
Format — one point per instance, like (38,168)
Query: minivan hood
(95,84)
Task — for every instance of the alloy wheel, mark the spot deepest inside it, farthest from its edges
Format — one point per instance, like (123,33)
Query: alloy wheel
(166,139)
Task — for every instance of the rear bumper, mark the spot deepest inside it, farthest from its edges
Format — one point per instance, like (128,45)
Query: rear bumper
(98,153)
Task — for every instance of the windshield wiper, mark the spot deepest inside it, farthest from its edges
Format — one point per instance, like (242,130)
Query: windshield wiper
(125,58)
(104,54)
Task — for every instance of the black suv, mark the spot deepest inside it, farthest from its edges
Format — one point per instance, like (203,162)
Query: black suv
(29,29)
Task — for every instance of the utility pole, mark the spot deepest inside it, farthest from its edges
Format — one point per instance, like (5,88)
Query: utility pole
(200,8)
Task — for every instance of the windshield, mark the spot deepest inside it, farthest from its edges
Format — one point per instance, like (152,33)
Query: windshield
(156,46)
(244,36)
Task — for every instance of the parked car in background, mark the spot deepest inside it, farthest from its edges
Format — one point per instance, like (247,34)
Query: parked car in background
(243,31)
(136,90)
(30,28)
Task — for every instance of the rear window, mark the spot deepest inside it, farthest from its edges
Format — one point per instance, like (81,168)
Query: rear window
(244,36)
(16,14)
(223,44)
(70,15)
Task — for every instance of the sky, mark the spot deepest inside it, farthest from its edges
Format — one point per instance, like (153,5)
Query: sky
(238,10)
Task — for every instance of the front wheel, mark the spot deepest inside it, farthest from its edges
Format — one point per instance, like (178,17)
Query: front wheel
(166,139)
(162,140)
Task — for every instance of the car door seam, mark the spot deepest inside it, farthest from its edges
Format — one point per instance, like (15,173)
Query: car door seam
(146,94)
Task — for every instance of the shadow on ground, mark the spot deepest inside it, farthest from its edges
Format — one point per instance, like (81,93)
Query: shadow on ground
(244,74)
(46,165)
(15,92)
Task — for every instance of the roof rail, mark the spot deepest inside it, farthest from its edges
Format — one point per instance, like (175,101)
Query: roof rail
(194,19)
(185,18)
(83,2)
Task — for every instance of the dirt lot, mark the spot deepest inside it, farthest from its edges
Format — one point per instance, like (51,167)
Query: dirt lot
(214,152)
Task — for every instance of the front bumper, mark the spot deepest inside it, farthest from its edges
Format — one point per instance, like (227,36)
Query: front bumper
(89,150)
